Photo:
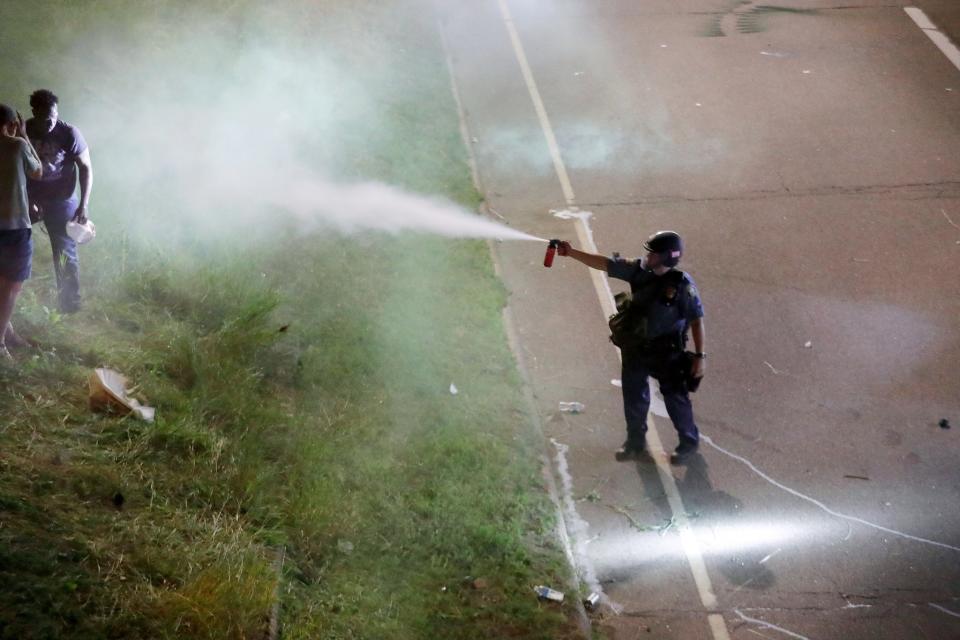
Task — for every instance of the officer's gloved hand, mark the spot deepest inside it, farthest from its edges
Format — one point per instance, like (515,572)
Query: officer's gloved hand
(697,368)
(693,371)
(563,248)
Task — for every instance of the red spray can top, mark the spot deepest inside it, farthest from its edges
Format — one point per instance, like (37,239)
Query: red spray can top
(551,251)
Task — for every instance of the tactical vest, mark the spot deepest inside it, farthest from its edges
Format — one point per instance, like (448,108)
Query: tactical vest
(628,326)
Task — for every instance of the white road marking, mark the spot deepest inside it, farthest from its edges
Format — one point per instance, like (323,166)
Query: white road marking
(945,610)
(688,540)
(766,625)
(537,103)
(939,38)
(585,237)
(718,626)
(822,506)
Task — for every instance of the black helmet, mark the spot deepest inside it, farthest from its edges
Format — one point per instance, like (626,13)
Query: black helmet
(668,244)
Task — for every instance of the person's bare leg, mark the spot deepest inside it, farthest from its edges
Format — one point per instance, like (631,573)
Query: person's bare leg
(8,299)
(14,339)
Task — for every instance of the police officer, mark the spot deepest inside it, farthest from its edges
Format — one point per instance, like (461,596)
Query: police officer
(651,331)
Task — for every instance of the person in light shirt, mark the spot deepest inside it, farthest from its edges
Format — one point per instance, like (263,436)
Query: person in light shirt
(18,161)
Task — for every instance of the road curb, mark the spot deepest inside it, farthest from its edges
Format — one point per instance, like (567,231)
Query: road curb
(533,414)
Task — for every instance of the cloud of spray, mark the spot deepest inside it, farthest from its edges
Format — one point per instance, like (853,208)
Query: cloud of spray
(356,207)
(225,127)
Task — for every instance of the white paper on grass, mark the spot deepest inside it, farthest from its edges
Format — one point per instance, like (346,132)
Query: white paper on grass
(110,387)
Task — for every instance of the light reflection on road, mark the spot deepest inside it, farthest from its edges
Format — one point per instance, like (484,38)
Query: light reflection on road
(631,549)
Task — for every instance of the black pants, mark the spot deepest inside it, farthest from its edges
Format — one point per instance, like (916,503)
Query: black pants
(669,371)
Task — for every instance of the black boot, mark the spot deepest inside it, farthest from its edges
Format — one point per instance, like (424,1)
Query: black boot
(684,450)
(630,451)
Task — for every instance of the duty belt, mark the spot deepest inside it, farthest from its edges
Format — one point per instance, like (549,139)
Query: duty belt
(661,345)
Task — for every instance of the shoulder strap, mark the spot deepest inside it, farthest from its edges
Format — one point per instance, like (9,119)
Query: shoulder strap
(675,277)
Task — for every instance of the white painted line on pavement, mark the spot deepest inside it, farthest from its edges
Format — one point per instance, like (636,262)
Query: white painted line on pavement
(920,18)
(688,539)
(718,626)
(585,236)
(939,38)
(822,506)
(537,103)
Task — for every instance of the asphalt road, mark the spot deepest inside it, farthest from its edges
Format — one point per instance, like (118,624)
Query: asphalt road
(809,157)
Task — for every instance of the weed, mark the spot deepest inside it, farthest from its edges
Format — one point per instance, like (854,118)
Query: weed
(300,381)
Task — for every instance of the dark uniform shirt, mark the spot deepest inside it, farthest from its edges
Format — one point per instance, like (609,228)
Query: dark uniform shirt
(672,311)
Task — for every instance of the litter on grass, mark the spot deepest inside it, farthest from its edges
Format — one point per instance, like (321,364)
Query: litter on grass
(546,593)
(572,407)
(453,389)
(109,394)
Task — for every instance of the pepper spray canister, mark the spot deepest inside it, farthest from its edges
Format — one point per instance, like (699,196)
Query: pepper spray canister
(551,252)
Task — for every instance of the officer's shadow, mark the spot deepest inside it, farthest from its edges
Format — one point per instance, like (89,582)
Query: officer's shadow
(708,508)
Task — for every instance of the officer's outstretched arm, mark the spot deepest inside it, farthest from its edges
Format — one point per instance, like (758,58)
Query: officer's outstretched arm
(592,260)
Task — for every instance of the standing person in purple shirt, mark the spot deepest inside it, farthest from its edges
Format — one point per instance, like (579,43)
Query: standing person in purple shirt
(18,161)
(65,155)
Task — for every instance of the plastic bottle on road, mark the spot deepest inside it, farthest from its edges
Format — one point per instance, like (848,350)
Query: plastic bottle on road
(572,407)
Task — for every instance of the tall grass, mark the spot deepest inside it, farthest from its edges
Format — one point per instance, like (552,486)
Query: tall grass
(301,382)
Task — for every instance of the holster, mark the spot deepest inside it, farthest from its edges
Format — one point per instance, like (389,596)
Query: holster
(689,381)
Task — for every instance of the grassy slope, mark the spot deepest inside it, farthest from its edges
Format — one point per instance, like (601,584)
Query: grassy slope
(336,439)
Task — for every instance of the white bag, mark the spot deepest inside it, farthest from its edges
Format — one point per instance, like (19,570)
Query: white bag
(81,233)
